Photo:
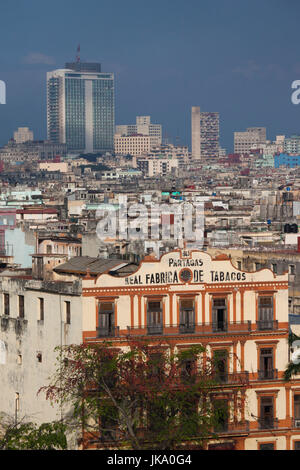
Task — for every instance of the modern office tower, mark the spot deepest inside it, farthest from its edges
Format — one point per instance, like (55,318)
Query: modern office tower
(80,108)
(84,66)
(292,145)
(205,134)
(23,134)
(252,137)
(143,126)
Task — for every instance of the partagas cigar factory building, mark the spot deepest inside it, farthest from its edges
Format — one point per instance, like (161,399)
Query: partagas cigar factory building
(190,298)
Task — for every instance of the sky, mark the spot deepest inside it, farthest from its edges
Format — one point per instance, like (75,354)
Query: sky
(237,57)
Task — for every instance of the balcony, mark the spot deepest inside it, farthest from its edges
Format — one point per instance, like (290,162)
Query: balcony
(232,428)
(268,423)
(155,329)
(267,374)
(191,328)
(187,328)
(236,378)
(220,326)
(267,325)
(110,331)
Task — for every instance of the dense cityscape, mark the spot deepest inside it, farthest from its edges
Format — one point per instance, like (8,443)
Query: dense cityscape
(150,289)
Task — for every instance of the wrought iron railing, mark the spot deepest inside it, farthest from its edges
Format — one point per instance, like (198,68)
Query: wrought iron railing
(268,423)
(109,331)
(267,325)
(191,328)
(267,374)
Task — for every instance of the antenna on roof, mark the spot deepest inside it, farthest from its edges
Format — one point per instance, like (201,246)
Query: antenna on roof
(78,54)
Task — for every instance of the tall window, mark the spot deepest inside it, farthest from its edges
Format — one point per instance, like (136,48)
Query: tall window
(297,410)
(265,313)
(106,319)
(266,366)
(219,314)
(221,414)
(297,445)
(68,312)
(266,413)
(21,306)
(156,366)
(6,304)
(292,270)
(187,316)
(154,317)
(220,364)
(41,309)
(266,446)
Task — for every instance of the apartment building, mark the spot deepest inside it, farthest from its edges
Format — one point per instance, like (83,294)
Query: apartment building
(292,145)
(253,137)
(143,126)
(132,145)
(205,134)
(157,166)
(35,317)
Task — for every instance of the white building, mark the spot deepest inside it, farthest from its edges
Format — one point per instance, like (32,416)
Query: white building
(132,145)
(253,137)
(157,166)
(80,108)
(23,134)
(142,126)
(35,318)
(205,134)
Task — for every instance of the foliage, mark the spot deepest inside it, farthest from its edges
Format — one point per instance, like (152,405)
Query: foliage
(291,368)
(29,436)
(145,397)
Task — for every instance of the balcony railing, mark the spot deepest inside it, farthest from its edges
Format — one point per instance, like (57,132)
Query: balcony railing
(267,374)
(110,331)
(232,428)
(236,378)
(191,328)
(268,423)
(154,329)
(187,328)
(267,325)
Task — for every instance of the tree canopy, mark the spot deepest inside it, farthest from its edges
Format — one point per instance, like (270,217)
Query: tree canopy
(144,396)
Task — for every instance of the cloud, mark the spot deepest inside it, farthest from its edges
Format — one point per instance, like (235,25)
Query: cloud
(250,69)
(38,58)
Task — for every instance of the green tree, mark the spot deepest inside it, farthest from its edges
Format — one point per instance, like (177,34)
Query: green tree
(144,397)
(30,436)
(291,368)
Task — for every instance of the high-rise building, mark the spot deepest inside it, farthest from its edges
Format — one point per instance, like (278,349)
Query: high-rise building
(205,134)
(196,150)
(80,108)
(23,134)
(143,126)
(292,145)
(253,137)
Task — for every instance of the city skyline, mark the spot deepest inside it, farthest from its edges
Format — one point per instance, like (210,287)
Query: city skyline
(200,56)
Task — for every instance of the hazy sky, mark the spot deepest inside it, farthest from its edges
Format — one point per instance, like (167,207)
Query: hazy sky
(238,57)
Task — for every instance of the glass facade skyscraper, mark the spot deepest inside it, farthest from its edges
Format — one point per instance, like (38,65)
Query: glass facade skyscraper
(80,109)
